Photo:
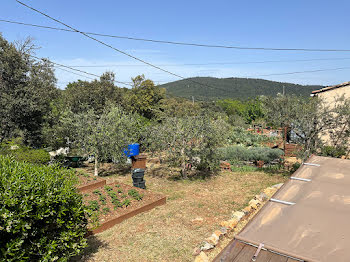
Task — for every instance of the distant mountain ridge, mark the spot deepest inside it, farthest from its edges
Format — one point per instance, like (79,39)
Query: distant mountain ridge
(236,88)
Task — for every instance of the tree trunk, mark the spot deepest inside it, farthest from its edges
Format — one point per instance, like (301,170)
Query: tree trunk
(184,173)
(96,165)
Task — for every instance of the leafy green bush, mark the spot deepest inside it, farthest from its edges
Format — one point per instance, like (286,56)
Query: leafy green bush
(42,216)
(333,151)
(243,137)
(23,153)
(295,167)
(240,153)
(265,154)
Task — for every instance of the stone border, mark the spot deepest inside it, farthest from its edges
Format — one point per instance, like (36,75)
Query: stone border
(230,225)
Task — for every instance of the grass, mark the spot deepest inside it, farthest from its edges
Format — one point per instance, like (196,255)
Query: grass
(194,209)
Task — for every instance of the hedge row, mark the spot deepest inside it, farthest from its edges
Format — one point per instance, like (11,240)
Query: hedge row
(240,153)
(23,153)
(42,216)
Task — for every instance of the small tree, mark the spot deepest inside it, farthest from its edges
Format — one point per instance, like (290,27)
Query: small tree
(106,136)
(310,119)
(188,140)
(339,128)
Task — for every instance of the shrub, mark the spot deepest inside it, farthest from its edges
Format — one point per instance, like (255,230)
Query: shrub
(333,151)
(240,153)
(243,137)
(265,153)
(244,169)
(42,216)
(23,153)
(294,167)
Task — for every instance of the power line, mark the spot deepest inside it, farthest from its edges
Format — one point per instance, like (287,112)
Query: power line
(73,72)
(78,70)
(215,63)
(115,49)
(301,72)
(286,73)
(170,42)
(161,69)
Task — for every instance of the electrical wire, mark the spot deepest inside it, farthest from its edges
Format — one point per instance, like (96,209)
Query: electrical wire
(116,49)
(175,42)
(74,73)
(301,72)
(215,63)
(171,73)
(78,70)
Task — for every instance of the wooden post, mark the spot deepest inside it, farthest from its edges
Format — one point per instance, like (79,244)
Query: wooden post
(284,145)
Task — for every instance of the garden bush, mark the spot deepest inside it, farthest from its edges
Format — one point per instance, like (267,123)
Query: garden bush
(22,153)
(333,151)
(240,136)
(240,153)
(42,216)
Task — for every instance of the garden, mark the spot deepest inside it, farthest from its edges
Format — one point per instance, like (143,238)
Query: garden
(66,185)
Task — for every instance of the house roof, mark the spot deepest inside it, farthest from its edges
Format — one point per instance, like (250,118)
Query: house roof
(328,88)
(312,221)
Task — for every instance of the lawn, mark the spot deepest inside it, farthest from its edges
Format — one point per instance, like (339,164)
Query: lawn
(193,211)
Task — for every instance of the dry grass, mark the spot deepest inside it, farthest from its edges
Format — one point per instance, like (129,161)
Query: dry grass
(193,211)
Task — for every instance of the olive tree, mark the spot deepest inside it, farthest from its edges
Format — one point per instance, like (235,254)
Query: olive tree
(107,135)
(338,131)
(311,119)
(188,141)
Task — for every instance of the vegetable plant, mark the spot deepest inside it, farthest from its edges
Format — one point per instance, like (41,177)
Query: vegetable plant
(96,192)
(126,202)
(93,205)
(108,188)
(135,194)
(105,210)
(102,199)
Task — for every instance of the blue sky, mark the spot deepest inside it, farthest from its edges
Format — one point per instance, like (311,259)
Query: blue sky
(274,23)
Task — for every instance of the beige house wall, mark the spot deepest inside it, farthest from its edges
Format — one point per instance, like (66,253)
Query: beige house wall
(329,98)
(330,95)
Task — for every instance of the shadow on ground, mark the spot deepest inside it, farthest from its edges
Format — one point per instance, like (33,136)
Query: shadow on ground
(94,244)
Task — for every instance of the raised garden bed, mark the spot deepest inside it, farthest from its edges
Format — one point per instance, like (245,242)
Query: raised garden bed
(112,204)
(88,182)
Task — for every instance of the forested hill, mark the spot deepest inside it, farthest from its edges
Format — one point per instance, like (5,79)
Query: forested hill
(239,88)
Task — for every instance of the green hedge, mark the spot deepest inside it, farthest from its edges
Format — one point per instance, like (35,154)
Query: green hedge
(333,151)
(240,136)
(23,153)
(240,153)
(42,216)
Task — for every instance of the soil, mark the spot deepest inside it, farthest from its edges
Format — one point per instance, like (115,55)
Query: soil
(86,179)
(122,193)
(193,211)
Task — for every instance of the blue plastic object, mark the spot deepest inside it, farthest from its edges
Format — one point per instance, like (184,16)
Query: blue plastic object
(133,150)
